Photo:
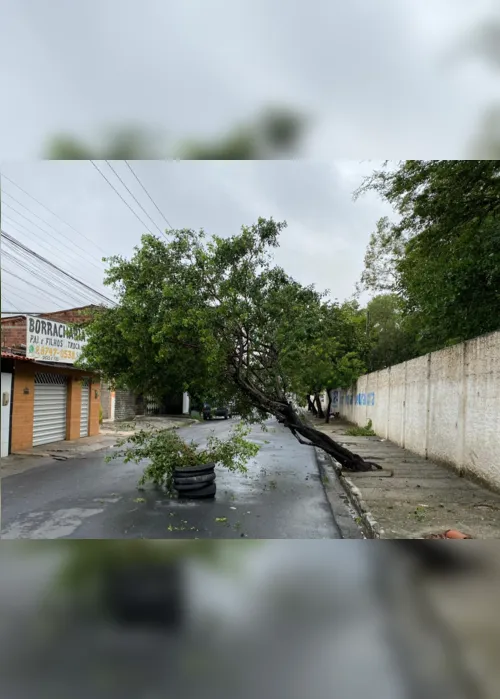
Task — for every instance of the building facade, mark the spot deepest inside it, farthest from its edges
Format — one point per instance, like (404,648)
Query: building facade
(45,398)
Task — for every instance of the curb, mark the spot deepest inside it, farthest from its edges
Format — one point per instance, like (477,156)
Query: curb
(372,528)
(345,515)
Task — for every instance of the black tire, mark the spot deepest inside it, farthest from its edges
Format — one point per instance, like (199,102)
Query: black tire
(200,493)
(193,485)
(186,487)
(194,470)
(192,480)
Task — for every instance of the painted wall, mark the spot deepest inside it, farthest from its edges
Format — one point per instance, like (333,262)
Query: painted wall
(23,403)
(6,402)
(444,406)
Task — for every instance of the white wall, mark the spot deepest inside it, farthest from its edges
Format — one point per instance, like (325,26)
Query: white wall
(444,406)
(5,397)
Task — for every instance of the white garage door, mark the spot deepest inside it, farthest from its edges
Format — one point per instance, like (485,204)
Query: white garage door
(50,408)
(85,407)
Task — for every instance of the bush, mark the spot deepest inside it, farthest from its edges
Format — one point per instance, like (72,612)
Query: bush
(366,431)
(167,451)
(100,415)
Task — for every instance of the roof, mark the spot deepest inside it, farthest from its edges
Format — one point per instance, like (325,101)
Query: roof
(51,313)
(10,355)
(60,365)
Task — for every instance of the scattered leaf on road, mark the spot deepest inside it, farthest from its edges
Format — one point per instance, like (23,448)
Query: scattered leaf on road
(140,500)
(221,519)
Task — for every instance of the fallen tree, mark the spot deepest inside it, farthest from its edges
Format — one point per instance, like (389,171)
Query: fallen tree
(216,317)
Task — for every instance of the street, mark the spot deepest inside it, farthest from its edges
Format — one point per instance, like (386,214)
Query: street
(281,497)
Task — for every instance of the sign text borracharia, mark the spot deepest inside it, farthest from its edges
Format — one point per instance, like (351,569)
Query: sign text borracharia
(50,341)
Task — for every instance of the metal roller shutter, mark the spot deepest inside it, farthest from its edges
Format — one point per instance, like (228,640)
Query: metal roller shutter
(49,423)
(85,408)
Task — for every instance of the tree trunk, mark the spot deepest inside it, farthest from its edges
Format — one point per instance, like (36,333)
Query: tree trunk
(284,411)
(328,408)
(317,401)
(311,406)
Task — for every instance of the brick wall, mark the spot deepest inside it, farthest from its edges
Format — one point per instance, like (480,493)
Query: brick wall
(124,405)
(14,329)
(13,332)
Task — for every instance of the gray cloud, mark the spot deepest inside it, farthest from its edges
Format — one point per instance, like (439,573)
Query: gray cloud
(324,243)
(371,74)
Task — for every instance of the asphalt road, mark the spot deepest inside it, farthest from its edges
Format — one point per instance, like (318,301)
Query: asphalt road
(281,497)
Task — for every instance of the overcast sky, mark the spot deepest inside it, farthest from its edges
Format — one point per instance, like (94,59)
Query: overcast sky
(324,243)
(384,79)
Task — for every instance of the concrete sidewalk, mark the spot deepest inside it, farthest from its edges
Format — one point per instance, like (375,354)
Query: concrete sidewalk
(420,499)
(110,433)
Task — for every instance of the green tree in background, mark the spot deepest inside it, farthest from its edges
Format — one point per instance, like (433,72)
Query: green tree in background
(441,257)
(277,132)
(331,355)
(216,317)
(390,333)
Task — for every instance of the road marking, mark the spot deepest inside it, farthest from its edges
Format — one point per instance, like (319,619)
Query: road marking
(46,525)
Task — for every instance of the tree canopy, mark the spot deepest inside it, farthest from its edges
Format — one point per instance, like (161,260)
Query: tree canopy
(391,336)
(441,256)
(214,316)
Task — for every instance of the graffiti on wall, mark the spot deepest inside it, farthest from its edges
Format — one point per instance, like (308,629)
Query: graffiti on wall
(359,399)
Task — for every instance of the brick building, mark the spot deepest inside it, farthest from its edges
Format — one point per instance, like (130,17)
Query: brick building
(13,333)
(45,399)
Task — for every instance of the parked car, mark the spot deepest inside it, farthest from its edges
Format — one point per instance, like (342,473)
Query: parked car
(209,412)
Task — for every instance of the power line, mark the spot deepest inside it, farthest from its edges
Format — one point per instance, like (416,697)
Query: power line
(47,276)
(53,213)
(134,198)
(14,291)
(46,246)
(60,285)
(147,193)
(49,225)
(20,246)
(10,304)
(66,292)
(27,313)
(123,200)
(31,253)
(50,234)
